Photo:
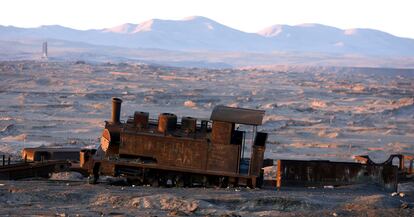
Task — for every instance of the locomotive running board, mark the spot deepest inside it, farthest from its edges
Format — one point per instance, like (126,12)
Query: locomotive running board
(109,165)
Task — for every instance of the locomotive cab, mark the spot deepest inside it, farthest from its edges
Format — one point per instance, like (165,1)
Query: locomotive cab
(251,144)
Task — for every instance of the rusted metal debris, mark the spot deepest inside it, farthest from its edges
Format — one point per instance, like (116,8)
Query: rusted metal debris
(316,173)
(41,162)
(23,170)
(42,153)
(402,160)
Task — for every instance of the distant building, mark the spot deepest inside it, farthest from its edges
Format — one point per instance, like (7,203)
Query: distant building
(44,55)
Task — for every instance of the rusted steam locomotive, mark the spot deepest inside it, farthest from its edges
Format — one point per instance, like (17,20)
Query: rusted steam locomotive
(189,152)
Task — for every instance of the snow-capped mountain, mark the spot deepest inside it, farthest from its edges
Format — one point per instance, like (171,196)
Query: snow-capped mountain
(192,33)
(203,34)
(326,39)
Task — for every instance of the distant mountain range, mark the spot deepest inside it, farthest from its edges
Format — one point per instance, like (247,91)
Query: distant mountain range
(200,34)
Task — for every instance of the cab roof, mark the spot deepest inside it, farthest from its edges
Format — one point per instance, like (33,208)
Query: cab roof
(237,115)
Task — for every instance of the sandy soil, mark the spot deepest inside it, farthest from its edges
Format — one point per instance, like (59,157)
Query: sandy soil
(312,115)
(76,198)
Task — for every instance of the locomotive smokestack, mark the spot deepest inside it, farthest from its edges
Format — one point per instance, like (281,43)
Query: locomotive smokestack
(116,110)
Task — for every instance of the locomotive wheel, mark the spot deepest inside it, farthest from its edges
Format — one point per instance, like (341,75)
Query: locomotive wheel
(134,181)
(232,182)
(204,181)
(223,182)
(169,182)
(154,182)
(187,181)
(92,180)
(179,181)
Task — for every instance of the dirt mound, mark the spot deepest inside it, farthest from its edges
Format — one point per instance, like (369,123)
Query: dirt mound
(67,176)
(167,202)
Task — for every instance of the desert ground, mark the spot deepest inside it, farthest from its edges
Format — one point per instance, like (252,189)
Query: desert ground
(76,198)
(310,114)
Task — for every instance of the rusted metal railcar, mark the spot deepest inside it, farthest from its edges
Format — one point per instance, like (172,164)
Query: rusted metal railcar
(21,170)
(184,152)
(314,173)
(43,153)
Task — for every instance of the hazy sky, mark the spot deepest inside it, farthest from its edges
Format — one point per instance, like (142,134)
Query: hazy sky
(393,16)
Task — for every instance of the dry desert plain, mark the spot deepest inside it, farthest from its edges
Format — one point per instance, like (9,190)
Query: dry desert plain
(311,113)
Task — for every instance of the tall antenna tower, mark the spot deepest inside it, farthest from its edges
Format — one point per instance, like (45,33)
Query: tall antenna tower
(44,46)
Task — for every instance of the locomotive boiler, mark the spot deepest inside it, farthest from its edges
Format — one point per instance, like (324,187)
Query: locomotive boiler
(184,151)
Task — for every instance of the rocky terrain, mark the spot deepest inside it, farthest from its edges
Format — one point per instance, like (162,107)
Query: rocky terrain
(69,198)
(310,114)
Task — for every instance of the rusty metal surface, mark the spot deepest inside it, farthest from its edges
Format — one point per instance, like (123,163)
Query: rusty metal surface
(410,159)
(167,122)
(111,164)
(237,115)
(111,138)
(85,158)
(224,157)
(40,153)
(184,151)
(321,173)
(141,119)
(116,110)
(165,144)
(189,124)
(178,148)
(165,150)
(32,169)
(256,160)
(181,152)
(402,159)
(110,142)
(222,132)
